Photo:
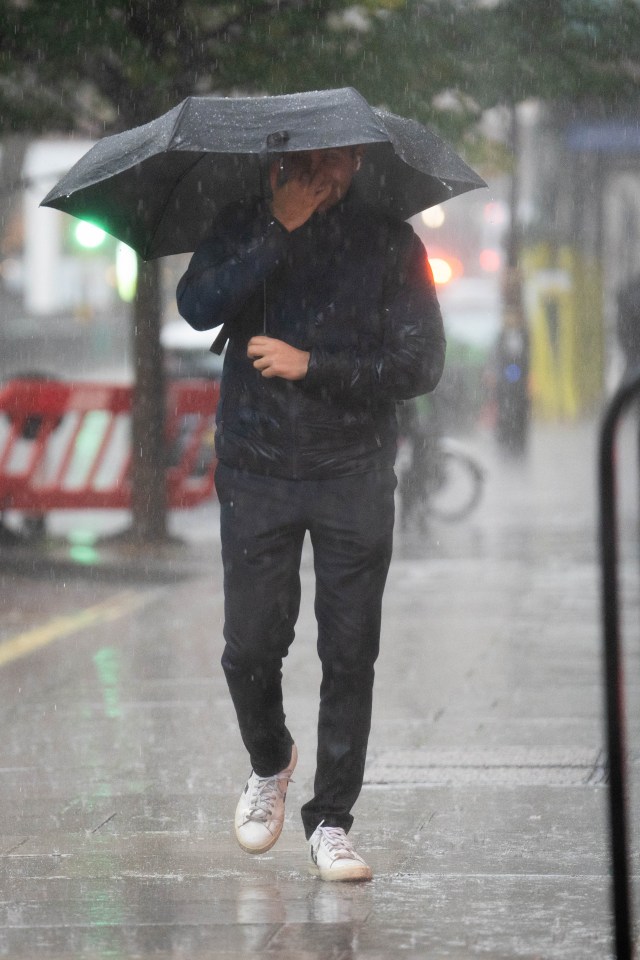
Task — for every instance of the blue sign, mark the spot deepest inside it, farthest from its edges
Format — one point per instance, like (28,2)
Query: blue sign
(606,136)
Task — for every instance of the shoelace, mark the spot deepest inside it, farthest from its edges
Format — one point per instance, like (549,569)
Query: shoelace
(338,843)
(263,796)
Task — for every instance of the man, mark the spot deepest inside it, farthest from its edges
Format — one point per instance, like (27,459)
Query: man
(331,317)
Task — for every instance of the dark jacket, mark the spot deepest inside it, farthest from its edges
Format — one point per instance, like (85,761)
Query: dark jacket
(353,287)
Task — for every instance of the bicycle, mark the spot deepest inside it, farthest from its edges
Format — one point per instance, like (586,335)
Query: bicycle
(437,479)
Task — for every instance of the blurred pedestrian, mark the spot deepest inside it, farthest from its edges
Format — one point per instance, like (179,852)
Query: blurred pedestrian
(512,369)
(628,322)
(331,316)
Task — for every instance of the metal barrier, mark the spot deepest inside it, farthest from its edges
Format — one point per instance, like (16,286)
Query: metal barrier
(614,674)
(67,445)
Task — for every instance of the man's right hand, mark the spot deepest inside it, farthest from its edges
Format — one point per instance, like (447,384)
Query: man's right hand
(298,198)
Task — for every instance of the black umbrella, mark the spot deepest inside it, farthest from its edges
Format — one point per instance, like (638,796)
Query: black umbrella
(159,186)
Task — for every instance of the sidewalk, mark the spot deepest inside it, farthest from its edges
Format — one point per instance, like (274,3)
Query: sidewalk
(484,808)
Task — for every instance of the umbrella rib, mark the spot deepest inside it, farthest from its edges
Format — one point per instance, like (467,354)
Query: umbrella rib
(174,186)
(183,108)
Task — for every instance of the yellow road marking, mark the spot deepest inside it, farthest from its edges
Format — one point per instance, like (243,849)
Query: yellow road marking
(104,612)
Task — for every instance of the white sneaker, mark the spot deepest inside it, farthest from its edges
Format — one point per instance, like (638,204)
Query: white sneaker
(260,811)
(333,857)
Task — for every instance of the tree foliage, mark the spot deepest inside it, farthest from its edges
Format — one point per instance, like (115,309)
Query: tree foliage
(104,65)
(579,51)
(584,52)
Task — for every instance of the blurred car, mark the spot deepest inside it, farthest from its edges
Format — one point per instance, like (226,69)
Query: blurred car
(471,310)
(187,352)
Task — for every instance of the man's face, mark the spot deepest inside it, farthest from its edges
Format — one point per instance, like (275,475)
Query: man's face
(335,166)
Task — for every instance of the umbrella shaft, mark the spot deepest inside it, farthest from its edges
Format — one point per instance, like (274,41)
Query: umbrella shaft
(264,307)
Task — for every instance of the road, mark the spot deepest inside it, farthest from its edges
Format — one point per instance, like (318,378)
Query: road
(484,807)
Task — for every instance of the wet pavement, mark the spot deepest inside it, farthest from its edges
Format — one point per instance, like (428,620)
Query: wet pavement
(484,808)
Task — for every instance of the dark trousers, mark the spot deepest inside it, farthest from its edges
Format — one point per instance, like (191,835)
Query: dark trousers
(263,523)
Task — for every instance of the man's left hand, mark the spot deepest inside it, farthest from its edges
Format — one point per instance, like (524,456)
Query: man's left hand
(275,358)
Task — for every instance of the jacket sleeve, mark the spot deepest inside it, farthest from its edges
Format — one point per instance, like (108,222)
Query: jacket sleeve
(410,359)
(227,268)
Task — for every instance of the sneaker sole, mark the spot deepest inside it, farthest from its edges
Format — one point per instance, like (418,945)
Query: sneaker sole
(355,875)
(258,850)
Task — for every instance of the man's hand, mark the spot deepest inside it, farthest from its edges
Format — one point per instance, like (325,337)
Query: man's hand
(305,190)
(275,358)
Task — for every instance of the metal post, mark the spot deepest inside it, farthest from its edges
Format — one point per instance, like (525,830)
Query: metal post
(614,694)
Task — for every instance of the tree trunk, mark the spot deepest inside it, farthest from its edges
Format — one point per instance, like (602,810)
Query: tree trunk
(148,470)
(512,348)
(513,237)
(512,298)
(13,150)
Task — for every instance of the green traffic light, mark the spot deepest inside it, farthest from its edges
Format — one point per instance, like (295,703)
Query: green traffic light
(88,235)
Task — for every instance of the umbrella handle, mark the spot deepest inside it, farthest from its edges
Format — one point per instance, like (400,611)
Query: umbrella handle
(273,145)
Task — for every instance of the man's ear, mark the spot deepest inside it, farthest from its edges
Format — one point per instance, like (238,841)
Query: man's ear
(358,154)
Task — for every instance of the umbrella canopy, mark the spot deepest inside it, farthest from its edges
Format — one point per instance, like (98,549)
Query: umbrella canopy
(158,187)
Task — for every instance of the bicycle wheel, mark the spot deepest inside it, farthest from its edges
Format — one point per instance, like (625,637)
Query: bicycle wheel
(459,487)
